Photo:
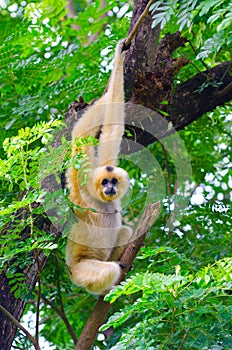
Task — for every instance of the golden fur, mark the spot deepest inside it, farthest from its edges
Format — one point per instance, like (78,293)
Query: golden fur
(97,240)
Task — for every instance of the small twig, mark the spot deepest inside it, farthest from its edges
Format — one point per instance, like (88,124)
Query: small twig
(138,23)
(38,306)
(168,170)
(17,324)
(36,256)
(183,341)
(63,316)
(224,91)
(62,313)
(195,53)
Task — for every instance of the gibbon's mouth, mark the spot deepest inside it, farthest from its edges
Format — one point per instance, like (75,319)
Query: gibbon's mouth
(110,193)
(109,196)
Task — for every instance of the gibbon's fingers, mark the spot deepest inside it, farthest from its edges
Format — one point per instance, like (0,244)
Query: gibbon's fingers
(126,46)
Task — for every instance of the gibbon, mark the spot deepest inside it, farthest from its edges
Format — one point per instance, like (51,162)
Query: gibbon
(97,240)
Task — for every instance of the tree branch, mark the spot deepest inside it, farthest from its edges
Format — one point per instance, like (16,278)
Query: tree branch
(102,307)
(223,92)
(62,314)
(138,23)
(17,324)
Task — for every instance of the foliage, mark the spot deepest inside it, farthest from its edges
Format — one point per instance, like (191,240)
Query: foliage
(44,65)
(182,310)
(17,175)
(197,16)
(178,293)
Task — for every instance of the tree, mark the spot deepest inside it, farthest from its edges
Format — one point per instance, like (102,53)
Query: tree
(47,59)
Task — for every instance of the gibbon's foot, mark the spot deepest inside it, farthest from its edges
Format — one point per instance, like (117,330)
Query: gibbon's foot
(98,277)
(122,265)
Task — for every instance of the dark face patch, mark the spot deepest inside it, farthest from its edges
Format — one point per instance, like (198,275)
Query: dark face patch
(109,186)
(109,169)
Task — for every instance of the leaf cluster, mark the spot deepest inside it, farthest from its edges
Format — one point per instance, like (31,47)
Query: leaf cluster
(181,310)
(206,24)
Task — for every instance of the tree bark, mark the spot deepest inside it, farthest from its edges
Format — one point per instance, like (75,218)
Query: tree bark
(143,49)
(188,103)
(16,306)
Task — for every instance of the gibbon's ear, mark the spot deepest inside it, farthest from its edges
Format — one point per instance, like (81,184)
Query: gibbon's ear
(110,183)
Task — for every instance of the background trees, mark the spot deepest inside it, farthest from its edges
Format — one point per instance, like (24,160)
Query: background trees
(178,293)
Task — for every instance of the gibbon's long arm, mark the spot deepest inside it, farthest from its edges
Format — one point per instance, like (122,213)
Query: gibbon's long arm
(107,114)
(114,113)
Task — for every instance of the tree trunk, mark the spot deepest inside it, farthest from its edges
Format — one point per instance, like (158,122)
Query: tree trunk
(16,306)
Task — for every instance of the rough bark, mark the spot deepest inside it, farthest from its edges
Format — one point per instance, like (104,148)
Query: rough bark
(102,307)
(189,103)
(143,48)
(13,305)
(186,104)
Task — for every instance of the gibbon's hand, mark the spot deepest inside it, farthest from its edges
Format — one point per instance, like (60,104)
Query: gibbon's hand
(125,46)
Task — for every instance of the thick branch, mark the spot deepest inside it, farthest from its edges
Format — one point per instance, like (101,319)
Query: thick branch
(101,309)
(189,102)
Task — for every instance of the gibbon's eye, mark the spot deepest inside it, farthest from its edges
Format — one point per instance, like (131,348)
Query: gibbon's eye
(114,181)
(104,182)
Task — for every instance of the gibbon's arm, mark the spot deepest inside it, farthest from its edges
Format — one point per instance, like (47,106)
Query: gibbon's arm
(107,114)
(114,113)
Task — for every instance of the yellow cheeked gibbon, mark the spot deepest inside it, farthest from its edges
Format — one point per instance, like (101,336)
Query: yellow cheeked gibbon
(96,242)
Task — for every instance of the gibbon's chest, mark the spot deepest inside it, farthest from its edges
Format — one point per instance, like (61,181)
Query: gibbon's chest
(105,220)
(106,215)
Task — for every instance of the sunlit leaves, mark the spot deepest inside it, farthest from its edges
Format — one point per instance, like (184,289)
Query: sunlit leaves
(171,309)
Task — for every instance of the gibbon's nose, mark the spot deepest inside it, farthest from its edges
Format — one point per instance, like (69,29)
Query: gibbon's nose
(110,191)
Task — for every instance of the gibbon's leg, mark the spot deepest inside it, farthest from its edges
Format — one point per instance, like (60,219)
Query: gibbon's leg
(114,113)
(98,277)
(124,234)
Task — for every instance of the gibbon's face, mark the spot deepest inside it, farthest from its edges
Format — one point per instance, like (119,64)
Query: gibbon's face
(110,183)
